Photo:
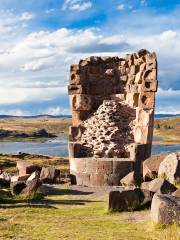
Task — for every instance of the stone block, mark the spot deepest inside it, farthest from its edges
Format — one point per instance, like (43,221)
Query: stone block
(75,89)
(160,186)
(151,166)
(25,168)
(132,99)
(97,179)
(144,117)
(81,102)
(75,150)
(143,135)
(165,209)
(170,167)
(146,100)
(74,133)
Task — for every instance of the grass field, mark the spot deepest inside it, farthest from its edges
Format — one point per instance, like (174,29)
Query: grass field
(64,216)
(8,162)
(28,125)
(168,129)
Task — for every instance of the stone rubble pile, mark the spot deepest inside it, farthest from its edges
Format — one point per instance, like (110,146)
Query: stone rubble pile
(30,178)
(106,133)
(160,192)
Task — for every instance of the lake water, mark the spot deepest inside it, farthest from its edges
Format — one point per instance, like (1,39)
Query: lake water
(58,147)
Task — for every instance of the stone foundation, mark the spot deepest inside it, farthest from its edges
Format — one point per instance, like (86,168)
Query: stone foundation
(99,171)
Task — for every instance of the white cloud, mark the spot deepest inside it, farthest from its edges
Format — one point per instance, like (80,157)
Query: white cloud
(14,112)
(26,16)
(121,7)
(76,5)
(55,111)
(12,23)
(21,95)
(168,35)
(51,10)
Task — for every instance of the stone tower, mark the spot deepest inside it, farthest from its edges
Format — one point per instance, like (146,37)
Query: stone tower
(112,102)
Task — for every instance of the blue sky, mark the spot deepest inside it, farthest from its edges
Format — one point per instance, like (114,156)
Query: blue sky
(40,39)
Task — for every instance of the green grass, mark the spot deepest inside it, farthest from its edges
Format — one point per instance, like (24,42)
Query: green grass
(169,135)
(77,217)
(8,162)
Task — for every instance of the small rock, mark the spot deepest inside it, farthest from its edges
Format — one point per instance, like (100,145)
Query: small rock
(160,186)
(31,187)
(20,178)
(170,168)
(129,200)
(165,209)
(25,168)
(151,167)
(5,179)
(34,175)
(131,179)
(49,174)
(17,187)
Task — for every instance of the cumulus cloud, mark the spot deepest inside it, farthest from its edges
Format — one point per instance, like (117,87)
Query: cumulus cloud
(168,35)
(55,111)
(76,5)
(121,7)
(14,112)
(26,16)
(21,95)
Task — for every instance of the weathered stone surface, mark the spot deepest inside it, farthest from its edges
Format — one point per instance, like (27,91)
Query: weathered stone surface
(34,175)
(49,174)
(129,200)
(170,168)
(24,168)
(5,179)
(131,179)
(20,178)
(151,167)
(112,101)
(165,209)
(31,187)
(99,171)
(160,186)
(17,187)
(176,193)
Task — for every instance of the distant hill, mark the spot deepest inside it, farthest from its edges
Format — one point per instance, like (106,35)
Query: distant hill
(166,115)
(69,116)
(37,116)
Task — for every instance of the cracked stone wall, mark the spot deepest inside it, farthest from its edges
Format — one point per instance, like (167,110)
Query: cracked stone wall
(112,102)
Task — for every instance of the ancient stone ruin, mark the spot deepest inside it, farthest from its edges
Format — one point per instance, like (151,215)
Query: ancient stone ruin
(112,101)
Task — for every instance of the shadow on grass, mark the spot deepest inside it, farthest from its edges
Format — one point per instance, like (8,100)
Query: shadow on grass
(57,191)
(12,203)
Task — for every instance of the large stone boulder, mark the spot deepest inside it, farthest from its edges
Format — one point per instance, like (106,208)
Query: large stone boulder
(5,179)
(34,175)
(170,168)
(129,200)
(20,178)
(160,186)
(131,179)
(17,187)
(151,167)
(49,175)
(165,209)
(31,187)
(25,168)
